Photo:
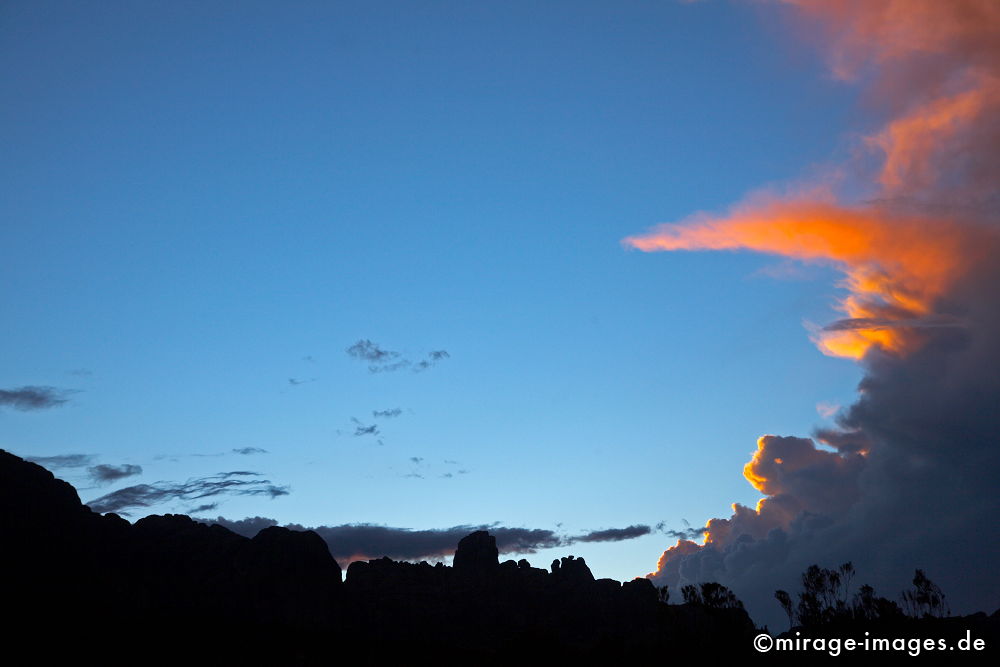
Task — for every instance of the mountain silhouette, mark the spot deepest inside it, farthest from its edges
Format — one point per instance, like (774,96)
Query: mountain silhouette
(171,590)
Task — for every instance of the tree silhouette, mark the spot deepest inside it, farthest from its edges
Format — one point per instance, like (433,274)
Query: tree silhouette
(711,594)
(925,599)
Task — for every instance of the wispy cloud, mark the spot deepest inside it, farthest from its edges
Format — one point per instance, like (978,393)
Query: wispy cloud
(62,460)
(382,360)
(222,484)
(613,534)
(32,398)
(247,451)
(387,414)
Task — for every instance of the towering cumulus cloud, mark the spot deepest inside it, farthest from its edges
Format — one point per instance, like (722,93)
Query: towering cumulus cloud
(908,478)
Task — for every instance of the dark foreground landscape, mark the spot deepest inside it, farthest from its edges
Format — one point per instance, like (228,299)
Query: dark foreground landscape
(168,589)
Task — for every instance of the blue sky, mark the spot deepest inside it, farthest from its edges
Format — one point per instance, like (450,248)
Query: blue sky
(202,202)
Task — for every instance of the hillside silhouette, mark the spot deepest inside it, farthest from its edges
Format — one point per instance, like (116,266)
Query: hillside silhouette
(171,590)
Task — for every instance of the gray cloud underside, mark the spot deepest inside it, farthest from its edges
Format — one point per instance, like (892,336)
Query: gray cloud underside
(614,534)
(365,541)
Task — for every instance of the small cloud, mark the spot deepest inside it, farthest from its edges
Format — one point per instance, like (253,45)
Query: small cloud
(247,451)
(62,461)
(416,459)
(827,410)
(414,475)
(387,414)
(32,398)
(447,475)
(105,474)
(295,382)
(362,429)
(685,534)
(380,359)
(613,534)
(208,507)
(432,359)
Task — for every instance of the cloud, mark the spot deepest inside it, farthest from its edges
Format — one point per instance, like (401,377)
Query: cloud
(247,451)
(387,414)
(295,382)
(432,359)
(32,398)
(416,459)
(62,460)
(613,534)
(222,484)
(827,409)
(207,507)
(362,429)
(685,534)
(104,473)
(248,527)
(382,360)
(911,478)
(365,541)
(366,350)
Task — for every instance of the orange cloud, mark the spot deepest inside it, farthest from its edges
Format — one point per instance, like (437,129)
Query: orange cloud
(933,69)
(895,266)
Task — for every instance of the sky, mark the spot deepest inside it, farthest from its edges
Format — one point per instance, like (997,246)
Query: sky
(380,268)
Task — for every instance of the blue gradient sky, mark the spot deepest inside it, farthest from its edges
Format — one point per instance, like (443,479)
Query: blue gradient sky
(196,197)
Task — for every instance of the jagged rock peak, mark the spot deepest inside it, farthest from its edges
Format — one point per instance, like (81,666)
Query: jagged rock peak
(477,553)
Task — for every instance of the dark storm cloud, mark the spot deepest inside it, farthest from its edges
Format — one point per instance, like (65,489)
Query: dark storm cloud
(32,398)
(387,414)
(613,534)
(104,473)
(62,460)
(911,483)
(247,451)
(222,484)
